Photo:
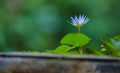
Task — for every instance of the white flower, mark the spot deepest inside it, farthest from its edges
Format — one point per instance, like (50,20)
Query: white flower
(79,21)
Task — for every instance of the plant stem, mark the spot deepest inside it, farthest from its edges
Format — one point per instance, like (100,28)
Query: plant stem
(80,48)
(78,29)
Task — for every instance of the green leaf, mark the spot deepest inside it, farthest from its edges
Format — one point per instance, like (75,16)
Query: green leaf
(109,46)
(63,49)
(75,39)
(116,43)
(93,51)
(117,37)
(72,51)
(118,53)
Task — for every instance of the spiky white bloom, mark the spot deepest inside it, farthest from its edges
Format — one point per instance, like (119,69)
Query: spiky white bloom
(79,21)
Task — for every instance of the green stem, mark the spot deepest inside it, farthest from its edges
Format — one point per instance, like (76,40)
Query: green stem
(78,29)
(80,48)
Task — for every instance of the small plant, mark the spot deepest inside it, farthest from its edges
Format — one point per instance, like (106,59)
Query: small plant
(73,43)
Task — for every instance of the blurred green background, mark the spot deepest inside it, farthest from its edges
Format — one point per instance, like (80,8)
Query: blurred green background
(40,24)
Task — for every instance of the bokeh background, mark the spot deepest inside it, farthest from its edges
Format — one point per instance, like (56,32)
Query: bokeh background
(40,24)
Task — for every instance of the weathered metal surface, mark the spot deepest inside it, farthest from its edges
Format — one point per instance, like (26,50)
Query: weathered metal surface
(50,63)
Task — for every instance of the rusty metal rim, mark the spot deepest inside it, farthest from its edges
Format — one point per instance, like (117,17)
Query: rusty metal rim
(59,56)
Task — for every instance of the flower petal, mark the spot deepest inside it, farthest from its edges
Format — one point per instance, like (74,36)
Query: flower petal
(76,19)
(73,21)
(86,20)
(81,20)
